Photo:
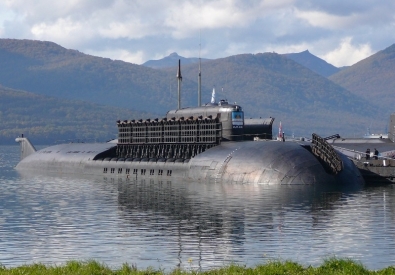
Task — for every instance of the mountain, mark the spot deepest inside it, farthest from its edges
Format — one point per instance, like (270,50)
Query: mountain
(265,84)
(46,120)
(270,84)
(46,68)
(372,79)
(170,61)
(314,63)
(304,58)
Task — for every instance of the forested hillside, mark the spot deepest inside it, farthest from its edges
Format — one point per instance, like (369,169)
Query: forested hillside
(46,120)
(264,85)
(270,84)
(372,78)
(49,69)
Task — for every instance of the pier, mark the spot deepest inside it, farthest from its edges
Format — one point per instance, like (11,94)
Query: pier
(377,171)
(374,171)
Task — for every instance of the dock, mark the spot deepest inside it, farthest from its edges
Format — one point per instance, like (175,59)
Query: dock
(374,171)
(380,171)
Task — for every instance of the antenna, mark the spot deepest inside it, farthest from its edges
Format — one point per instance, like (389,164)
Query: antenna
(179,77)
(200,75)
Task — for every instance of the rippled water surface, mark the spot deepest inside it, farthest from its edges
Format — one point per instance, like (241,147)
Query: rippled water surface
(167,224)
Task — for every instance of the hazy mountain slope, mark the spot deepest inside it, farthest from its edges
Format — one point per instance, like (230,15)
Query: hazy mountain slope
(372,78)
(46,119)
(313,63)
(270,84)
(264,84)
(171,61)
(46,68)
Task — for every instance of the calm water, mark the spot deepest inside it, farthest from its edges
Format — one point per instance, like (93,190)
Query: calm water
(166,224)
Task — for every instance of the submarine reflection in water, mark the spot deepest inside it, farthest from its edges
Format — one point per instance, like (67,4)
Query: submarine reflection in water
(197,214)
(203,202)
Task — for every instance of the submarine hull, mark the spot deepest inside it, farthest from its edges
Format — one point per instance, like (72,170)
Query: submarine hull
(259,162)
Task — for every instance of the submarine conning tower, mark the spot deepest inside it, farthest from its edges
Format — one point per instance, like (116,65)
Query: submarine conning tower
(230,117)
(186,132)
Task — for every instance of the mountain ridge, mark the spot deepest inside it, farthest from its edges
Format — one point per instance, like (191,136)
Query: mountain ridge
(170,60)
(304,58)
(265,84)
(372,78)
(314,63)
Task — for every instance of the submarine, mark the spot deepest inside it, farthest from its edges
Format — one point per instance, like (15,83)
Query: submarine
(211,142)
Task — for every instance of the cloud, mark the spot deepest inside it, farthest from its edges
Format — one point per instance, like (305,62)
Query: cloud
(63,31)
(327,21)
(347,53)
(119,54)
(139,29)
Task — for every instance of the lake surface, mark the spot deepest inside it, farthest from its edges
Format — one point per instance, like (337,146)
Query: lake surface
(167,224)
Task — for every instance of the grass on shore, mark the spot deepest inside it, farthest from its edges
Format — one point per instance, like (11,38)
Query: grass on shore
(329,267)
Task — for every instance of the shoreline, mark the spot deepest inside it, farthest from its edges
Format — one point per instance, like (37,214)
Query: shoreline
(329,266)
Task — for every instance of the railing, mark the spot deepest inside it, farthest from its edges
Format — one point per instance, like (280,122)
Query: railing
(327,154)
(332,137)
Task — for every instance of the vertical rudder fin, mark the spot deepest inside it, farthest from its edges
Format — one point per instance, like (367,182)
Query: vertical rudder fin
(26,147)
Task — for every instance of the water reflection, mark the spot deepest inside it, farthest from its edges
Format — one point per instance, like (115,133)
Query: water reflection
(165,224)
(229,214)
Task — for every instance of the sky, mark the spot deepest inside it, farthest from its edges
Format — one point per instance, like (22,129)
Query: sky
(342,32)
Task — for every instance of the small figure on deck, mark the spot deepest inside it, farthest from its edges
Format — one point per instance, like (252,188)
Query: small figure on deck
(283,137)
(367,154)
(376,153)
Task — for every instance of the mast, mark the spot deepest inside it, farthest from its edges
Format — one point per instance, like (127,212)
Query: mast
(199,78)
(179,77)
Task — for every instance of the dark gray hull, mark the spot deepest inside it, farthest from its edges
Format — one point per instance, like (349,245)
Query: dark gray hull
(259,162)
